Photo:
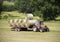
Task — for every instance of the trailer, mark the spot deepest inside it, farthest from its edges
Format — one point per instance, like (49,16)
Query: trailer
(23,24)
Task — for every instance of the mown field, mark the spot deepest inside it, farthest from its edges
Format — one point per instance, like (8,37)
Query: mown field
(6,35)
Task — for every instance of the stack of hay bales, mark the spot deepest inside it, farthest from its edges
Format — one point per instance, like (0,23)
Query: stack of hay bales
(25,23)
(14,22)
(17,22)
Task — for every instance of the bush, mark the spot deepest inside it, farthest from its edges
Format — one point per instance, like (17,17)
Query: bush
(8,8)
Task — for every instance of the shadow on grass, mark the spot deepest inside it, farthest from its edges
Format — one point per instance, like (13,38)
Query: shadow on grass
(57,20)
(8,29)
(23,30)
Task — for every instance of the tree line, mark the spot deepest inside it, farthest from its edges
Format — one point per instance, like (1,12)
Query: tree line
(46,9)
(1,2)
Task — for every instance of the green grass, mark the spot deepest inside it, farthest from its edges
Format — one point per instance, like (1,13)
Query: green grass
(13,15)
(24,36)
(6,35)
(53,25)
(9,3)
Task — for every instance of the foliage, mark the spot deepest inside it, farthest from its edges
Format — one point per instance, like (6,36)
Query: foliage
(8,7)
(23,5)
(48,9)
(1,2)
(10,0)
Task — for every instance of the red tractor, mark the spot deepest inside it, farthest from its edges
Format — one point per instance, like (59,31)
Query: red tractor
(41,27)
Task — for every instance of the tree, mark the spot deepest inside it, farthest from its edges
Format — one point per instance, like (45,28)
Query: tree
(10,0)
(21,5)
(48,9)
(52,10)
(1,2)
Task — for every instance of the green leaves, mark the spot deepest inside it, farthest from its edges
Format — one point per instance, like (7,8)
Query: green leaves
(1,2)
(48,9)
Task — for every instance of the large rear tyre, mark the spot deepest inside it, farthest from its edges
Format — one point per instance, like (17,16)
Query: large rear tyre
(48,30)
(40,30)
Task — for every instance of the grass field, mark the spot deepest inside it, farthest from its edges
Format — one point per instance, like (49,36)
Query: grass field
(25,36)
(6,35)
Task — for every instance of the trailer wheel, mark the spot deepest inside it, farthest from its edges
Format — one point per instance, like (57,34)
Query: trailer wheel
(35,29)
(24,29)
(17,29)
(12,29)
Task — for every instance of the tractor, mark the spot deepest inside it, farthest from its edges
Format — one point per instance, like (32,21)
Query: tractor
(23,24)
